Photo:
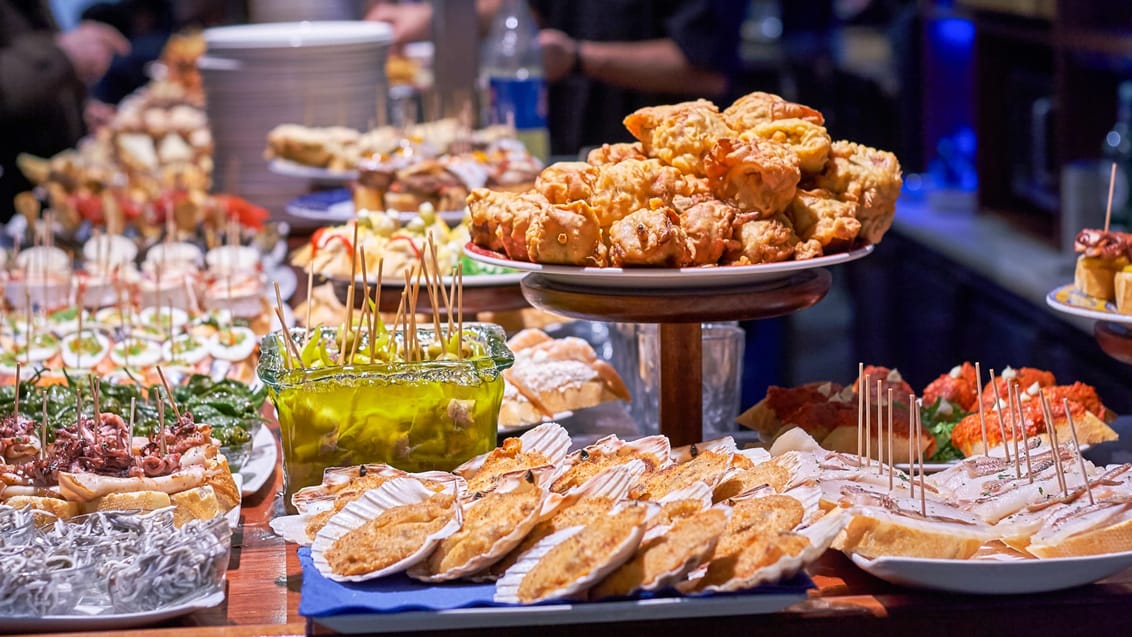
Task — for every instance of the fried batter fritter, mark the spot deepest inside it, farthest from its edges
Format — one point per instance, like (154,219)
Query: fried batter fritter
(488,520)
(681,549)
(758,107)
(566,181)
(707,467)
(763,241)
(390,537)
(818,214)
(707,227)
(631,185)
(754,176)
(868,176)
(499,220)
(679,134)
(591,549)
(809,141)
(647,237)
(567,235)
(613,153)
(506,458)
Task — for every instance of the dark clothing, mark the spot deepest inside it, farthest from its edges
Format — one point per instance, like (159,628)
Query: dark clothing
(584,112)
(41,97)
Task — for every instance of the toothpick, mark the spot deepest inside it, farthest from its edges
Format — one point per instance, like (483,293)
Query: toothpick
(283,324)
(433,297)
(350,292)
(16,405)
(911,437)
(920,448)
(1077,449)
(868,421)
(862,388)
(310,299)
(880,428)
(1111,188)
(289,345)
(169,391)
(982,411)
(460,310)
(30,327)
(130,434)
(43,431)
(376,316)
(1014,428)
(97,406)
(1025,433)
(161,422)
(998,412)
(80,352)
(1051,429)
(891,462)
(364,319)
(397,321)
(413,312)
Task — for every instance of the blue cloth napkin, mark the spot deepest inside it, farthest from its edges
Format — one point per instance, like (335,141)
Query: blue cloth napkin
(322,597)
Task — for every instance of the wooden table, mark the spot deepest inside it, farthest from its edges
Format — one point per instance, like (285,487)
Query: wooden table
(680,314)
(264,579)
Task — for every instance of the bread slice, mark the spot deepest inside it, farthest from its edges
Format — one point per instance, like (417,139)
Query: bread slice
(1114,538)
(1096,277)
(223,484)
(876,533)
(63,509)
(131,501)
(195,504)
(1122,290)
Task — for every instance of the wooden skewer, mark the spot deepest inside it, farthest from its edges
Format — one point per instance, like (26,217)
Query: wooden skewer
(288,342)
(43,431)
(161,423)
(130,434)
(891,462)
(460,311)
(920,451)
(97,404)
(868,421)
(998,412)
(376,307)
(1077,449)
(1025,433)
(861,383)
(283,326)
(440,284)
(169,391)
(363,320)
(416,352)
(982,411)
(310,300)
(911,436)
(16,405)
(1111,188)
(1015,427)
(350,293)
(880,428)
(433,297)
(1051,429)
(407,296)
(30,327)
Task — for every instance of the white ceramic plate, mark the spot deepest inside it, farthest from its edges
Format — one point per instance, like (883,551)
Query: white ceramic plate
(995,576)
(297,34)
(665,278)
(261,463)
(1070,300)
(337,206)
(313,173)
(59,623)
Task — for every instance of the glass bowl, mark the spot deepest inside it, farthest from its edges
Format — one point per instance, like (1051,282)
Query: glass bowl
(416,416)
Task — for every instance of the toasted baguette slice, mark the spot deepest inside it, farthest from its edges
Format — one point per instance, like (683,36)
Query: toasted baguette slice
(131,500)
(876,533)
(195,504)
(223,484)
(59,507)
(1107,538)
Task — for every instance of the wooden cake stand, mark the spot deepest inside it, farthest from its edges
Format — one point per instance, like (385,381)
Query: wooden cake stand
(679,312)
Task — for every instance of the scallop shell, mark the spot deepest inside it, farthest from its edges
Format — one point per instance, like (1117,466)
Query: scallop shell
(794,439)
(723,445)
(549,438)
(613,483)
(820,534)
(335,478)
(292,528)
(810,495)
(690,564)
(507,588)
(803,467)
(501,547)
(698,491)
(757,455)
(395,493)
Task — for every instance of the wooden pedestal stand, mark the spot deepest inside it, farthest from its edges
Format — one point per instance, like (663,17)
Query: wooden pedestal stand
(1115,340)
(680,313)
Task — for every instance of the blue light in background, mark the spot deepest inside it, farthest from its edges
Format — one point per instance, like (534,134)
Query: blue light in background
(954,33)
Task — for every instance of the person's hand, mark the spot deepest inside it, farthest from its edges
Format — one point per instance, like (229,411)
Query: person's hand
(559,53)
(410,21)
(91,47)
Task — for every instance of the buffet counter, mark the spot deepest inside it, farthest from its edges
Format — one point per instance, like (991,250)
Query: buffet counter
(264,579)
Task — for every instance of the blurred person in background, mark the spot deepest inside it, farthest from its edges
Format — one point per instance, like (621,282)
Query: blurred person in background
(44,78)
(604,59)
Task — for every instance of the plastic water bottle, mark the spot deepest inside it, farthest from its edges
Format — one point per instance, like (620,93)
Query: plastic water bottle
(512,74)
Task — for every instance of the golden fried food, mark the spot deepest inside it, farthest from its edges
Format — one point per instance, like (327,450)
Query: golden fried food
(613,153)
(591,549)
(745,562)
(578,513)
(809,141)
(488,520)
(707,467)
(675,510)
(679,134)
(590,463)
(631,185)
(661,559)
(763,241)
(707,228)
(566,235)
(647,237)
(818,214)
(390,537)
(504,459)
(758,107)
(566,181)
(754,176)
(767,473)
(499,220)
(868,176)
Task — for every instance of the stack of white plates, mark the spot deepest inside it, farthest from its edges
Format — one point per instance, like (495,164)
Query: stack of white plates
(257,76)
